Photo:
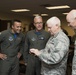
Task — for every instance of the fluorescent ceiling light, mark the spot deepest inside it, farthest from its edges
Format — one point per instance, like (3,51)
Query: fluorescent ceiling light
(44,14)
(20,10)
(65,13)
(35,14)
(40,14)
(58,7)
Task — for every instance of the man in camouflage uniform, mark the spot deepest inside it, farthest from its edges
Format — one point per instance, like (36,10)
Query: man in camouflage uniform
(54,56)
(71,19)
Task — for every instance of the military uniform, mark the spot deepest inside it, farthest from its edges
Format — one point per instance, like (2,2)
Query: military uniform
(54,56)
(74,62)
(34,40)
(10,45)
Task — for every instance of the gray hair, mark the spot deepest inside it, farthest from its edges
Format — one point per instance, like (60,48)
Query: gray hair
(54,21)
(37,17)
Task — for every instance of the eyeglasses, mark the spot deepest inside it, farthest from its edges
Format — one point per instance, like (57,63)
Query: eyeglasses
(39,23)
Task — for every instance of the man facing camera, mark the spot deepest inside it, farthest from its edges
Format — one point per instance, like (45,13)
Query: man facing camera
(11,42)
(36,38)
(54,55)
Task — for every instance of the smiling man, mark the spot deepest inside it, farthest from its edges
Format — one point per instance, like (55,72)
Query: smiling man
(11,42)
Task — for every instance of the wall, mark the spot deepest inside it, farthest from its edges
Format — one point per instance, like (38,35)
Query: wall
(26,21)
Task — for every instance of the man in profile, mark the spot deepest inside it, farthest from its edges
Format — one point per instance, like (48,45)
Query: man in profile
(71,19)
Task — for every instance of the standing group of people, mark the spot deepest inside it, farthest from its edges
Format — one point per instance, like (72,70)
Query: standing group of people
(44,53)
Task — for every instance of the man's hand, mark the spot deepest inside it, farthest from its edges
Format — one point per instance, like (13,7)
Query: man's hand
(19,55)
(35,51)
(3,56)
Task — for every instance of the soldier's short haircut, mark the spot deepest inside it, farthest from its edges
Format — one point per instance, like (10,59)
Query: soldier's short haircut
(38,16)
(13,21)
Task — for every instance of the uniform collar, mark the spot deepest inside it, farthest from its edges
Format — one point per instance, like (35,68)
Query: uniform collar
(57,33)
(38,32)
(10,30)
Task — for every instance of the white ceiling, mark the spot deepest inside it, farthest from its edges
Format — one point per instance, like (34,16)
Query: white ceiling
(36,6)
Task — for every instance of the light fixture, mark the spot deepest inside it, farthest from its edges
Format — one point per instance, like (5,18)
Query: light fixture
(20,10)
(44,14)
(35,14)
(40,14)
(65,13)
(58,7)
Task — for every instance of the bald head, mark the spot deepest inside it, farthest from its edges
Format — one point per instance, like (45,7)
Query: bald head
(54,21)
(71,19)
(71,15)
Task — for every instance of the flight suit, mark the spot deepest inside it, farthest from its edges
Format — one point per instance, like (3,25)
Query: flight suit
(54,56)
(10,45)
(36,40)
